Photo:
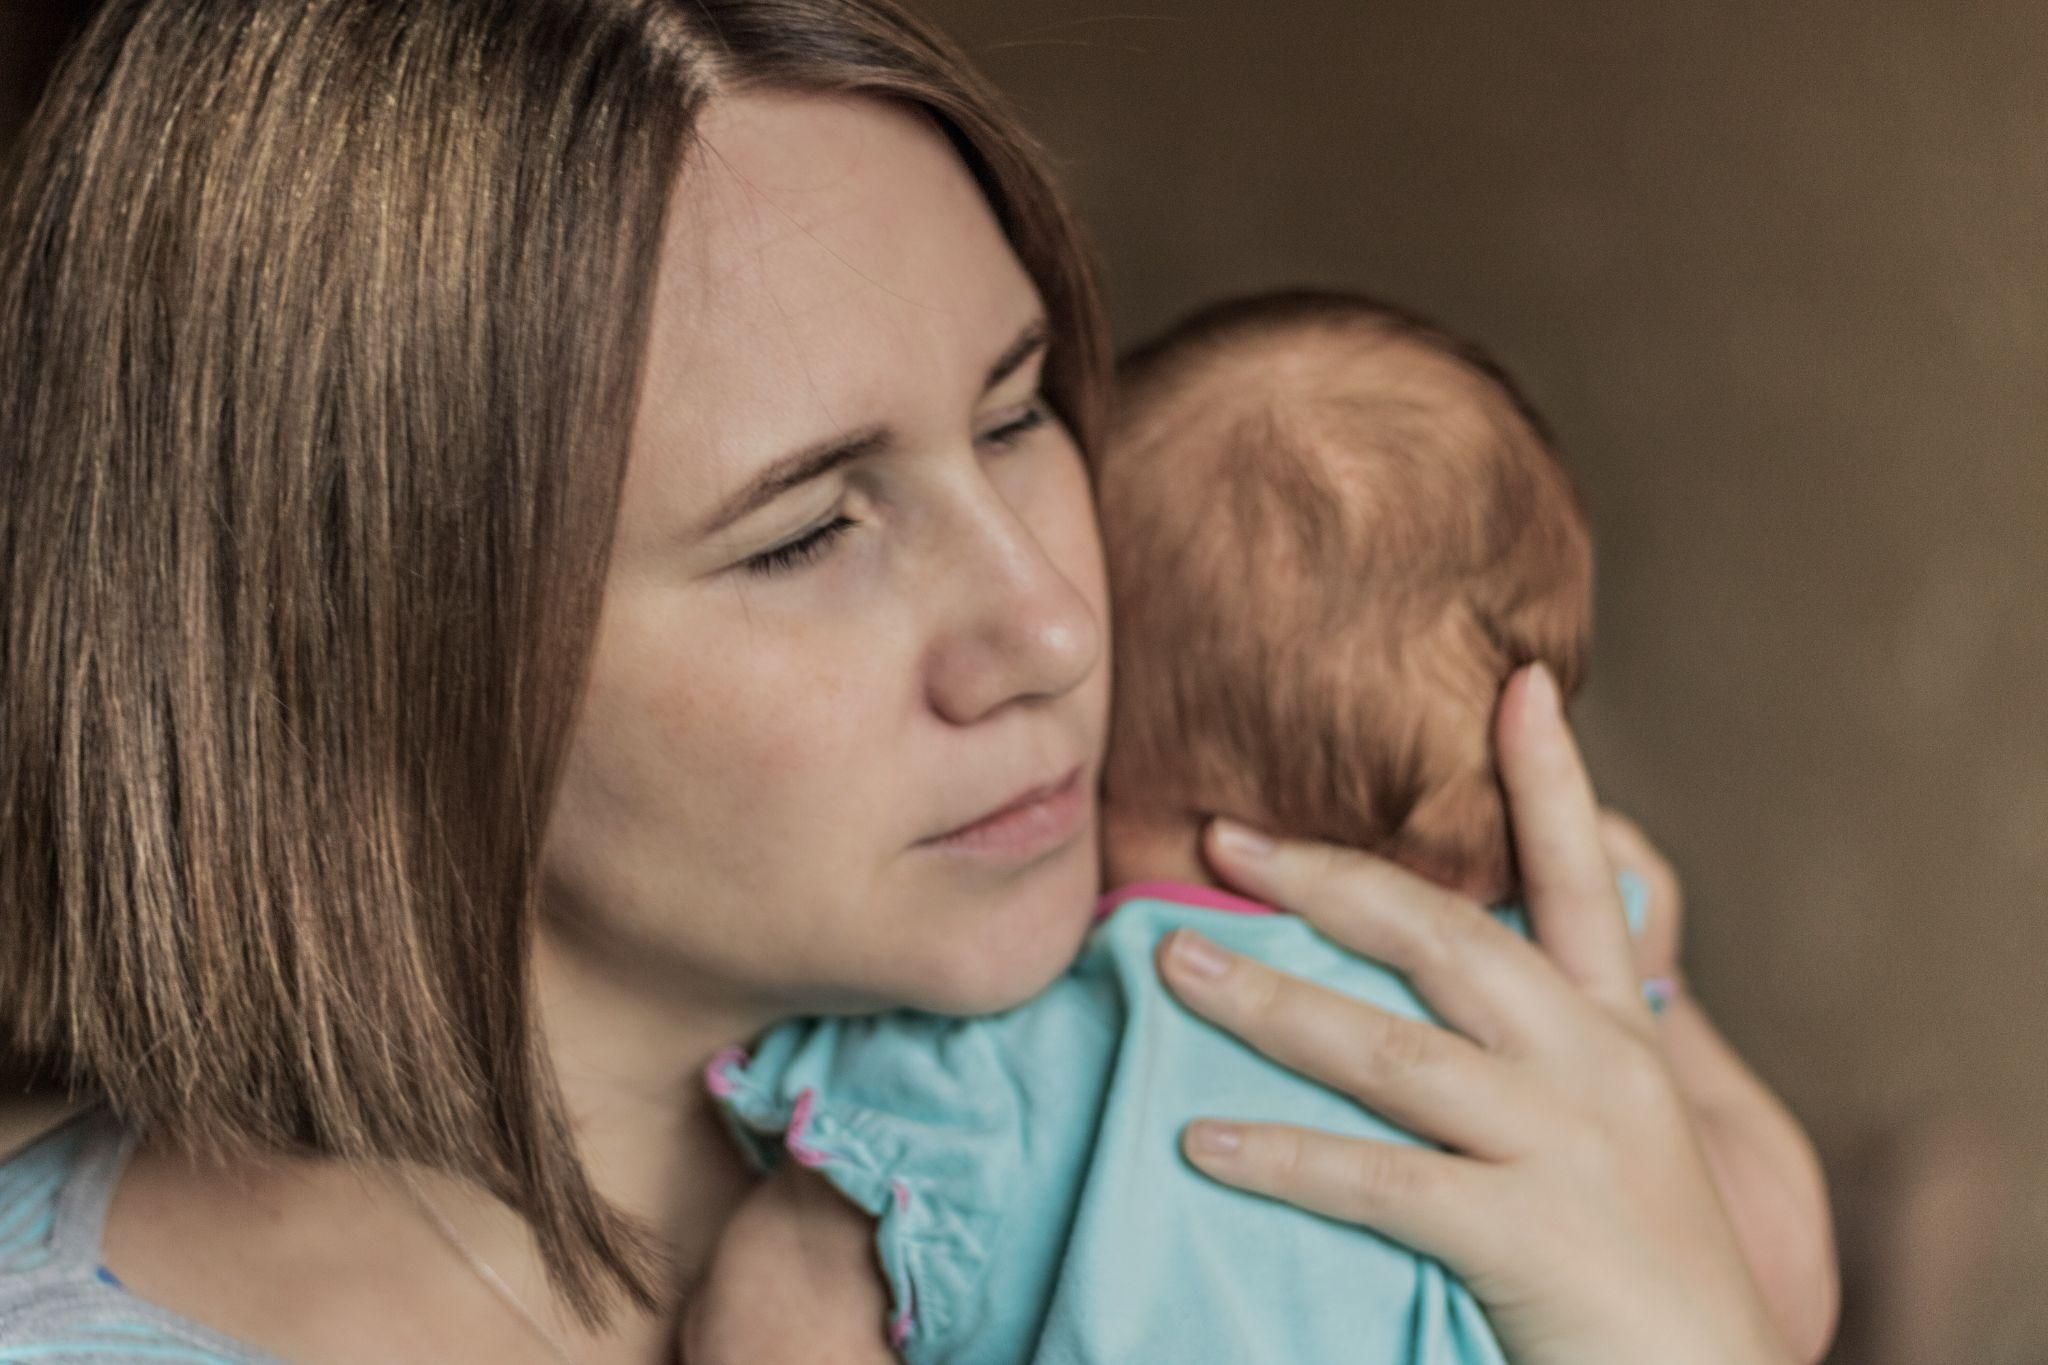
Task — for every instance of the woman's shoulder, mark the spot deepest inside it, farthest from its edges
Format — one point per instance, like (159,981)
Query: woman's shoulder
(40,1183)
(58,1306)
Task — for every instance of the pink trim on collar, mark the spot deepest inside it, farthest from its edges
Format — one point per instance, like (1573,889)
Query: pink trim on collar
(1180,893)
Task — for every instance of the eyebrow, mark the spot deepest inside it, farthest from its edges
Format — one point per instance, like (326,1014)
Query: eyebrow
(821,458)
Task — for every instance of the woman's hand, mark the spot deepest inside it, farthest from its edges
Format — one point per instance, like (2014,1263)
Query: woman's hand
(1573,1197)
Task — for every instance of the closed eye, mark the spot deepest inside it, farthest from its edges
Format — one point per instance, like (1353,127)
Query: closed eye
(1017,428)
(796,553)
(813,544)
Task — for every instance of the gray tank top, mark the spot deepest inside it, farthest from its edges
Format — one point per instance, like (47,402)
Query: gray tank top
(58,1304)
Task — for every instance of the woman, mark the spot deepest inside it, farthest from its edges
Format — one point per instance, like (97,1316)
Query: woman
(541,537)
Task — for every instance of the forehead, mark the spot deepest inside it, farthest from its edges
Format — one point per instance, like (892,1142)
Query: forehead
(828,262)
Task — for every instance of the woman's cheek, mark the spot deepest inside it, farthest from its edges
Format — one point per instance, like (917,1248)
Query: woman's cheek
(767,737)
(1076,544)
(1074,535)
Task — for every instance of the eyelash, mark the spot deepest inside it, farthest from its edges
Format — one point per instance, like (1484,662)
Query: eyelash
(1017,428)
(800,551)
(812,544)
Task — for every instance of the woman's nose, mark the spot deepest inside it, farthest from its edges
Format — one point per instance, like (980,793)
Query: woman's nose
(1020,629)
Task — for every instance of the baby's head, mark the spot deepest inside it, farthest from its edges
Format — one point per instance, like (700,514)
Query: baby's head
(1333,532)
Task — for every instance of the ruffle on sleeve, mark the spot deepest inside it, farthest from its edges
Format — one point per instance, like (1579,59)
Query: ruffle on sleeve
(915,1120)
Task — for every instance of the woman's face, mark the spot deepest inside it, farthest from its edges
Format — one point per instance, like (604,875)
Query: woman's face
(856,606)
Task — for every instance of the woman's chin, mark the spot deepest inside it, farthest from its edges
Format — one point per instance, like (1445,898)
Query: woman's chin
(991,988)
(1011,951)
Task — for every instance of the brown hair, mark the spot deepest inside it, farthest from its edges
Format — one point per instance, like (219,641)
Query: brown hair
(321,325)
(1333,531)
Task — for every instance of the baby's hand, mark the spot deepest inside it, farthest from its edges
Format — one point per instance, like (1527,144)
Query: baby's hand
(793,1279)
(1769,1179)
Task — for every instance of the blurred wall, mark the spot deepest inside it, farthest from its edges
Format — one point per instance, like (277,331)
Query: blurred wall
(30,33)
(1779,276)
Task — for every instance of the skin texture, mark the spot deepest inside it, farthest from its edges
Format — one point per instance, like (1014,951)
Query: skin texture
(795,1280)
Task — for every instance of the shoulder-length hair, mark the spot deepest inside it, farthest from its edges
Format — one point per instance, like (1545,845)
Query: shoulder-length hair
(321,326)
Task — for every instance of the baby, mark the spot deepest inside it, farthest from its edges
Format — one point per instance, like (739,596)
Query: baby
(1333,532)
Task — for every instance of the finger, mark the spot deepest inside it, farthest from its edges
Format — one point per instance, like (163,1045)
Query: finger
(1480,977)
(1430,1201)
(1574,908)
(1630,850)
(1417,1076)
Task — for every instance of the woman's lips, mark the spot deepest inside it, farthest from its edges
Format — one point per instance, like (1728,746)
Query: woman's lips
(1034,823)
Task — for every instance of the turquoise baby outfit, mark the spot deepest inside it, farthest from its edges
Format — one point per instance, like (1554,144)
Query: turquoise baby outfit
(1025,1172)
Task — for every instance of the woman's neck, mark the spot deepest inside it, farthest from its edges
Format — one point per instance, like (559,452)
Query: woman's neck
(317,1260)
(629,1063)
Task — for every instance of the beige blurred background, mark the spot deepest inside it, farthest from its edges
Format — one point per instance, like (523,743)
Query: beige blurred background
(1779,276)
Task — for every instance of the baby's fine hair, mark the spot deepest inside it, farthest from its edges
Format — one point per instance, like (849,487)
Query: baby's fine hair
(1334,530)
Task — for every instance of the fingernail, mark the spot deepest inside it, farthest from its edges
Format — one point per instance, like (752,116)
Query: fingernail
(1240,841)
(1198,955)
(1543,690)
(1209,1138)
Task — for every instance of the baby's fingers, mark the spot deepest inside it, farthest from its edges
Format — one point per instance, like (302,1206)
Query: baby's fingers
(1438,1204)
(1420,1077)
